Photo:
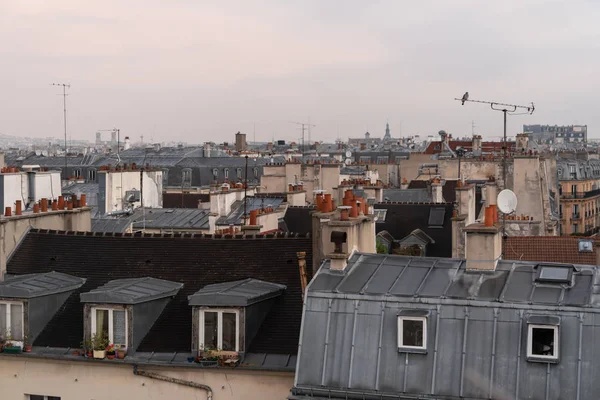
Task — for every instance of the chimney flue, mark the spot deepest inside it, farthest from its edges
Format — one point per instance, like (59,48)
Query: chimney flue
(44,205)
(83,200)
(7,212)
(18,207)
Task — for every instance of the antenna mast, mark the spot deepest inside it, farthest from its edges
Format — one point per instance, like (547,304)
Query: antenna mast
(506,109)
(304,126)
(64,94)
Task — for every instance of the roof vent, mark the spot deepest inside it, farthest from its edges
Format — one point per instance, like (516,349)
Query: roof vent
(586,246)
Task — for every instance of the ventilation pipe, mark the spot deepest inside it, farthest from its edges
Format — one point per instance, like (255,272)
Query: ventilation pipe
(303,276)
(152,375)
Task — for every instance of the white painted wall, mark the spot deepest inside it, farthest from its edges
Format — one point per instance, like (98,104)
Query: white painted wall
(45,185)
(118,183)
(14,187)
(113,380)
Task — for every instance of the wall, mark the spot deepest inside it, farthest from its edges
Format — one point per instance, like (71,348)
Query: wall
(115,184)
(13,228)
(528,188)
(77,380)
(13,186)
(470,169)
(44,185)
(409,169)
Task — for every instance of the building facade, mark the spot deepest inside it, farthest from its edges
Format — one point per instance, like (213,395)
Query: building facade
(554,134)
(579,188)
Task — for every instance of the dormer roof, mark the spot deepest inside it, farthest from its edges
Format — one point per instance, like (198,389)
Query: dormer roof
(36,285)
(237,293)
(132,291)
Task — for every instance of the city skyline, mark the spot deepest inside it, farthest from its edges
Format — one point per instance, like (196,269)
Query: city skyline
(201,72)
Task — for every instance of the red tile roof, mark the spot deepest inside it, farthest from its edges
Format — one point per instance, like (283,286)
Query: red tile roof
(560,249)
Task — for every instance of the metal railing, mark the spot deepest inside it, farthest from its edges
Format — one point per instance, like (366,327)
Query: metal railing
(580,195)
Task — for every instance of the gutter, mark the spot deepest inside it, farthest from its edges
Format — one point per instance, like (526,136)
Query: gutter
(164,378)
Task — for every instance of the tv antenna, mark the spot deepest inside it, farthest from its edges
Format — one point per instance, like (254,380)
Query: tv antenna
(506,109)
(64,94)
(304,126)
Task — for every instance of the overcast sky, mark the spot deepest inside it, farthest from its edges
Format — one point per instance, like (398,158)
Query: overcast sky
(197,70)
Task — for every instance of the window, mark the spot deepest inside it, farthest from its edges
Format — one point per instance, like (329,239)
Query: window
(41,397)
(112,322)
(215,173)
(186,176)
(412,333)
(554,274)
(239,173)
(256,172)
(381,214)
(92,175)
(165,176)
(11,320)
(226,173)
(542,342)
(219,329)
(436,217)
(77,173)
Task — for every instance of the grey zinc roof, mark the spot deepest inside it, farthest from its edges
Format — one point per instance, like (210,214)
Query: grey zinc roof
(170,219)
(36,285)
(132,291)
(446,278)
(407,195)
(236,293)
(477,332)
(252,203)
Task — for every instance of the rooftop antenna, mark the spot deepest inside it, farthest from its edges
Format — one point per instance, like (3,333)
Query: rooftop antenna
(304,126)
(507,204)
(64,94)
(254,132)
(506,109)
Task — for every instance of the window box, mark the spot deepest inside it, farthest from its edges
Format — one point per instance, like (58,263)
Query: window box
(412,331)
(12,349)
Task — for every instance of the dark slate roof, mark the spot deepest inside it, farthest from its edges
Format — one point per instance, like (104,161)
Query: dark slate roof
(407,195)
(131,291)
(403,218)
(428,277)
(39,284)
(194,260)
(237,293)
(448,189)
(184,200)
(298,219)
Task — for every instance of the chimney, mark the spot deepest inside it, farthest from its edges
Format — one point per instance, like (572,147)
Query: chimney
(477,143)
(302,266)
(436,190)
(465,196)
(522,142)
(404,184)
(483,247)
(491,197)
(127,145)
(18,208)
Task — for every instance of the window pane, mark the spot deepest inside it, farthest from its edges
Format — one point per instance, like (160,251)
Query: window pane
(119,334)
(16,321)
(542,341)
(210,330)
(35,397)
(3,320)
(102,322)
(53,398)
(412,333)
(229,339)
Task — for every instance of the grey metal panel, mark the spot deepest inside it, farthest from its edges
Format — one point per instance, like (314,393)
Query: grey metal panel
(383,279)
(313,340)
(520,285)
(436,282)
(357,278)
(236,293)
(478,357)
(411,279)
(579,293)
(325,282)
(448,366)
(550,295)
(35,285)
(507,339)
(132,291)
(144,316)
(492,285)
(339,350)
(365,352)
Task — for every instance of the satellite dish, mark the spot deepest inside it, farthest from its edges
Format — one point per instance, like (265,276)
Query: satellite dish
(348,161)
(348,153)
(507,201)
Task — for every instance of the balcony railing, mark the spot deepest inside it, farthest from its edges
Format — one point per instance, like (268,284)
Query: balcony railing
(575,216)
(580,195)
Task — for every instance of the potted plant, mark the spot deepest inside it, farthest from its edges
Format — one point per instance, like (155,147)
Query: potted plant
(99,344)
(86,345)
(26,345)
(207,357)
(121,352)
(10,345)
(110,351)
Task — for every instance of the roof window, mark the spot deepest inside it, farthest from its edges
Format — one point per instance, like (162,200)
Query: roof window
(554,273)
(543,338)
(412,331)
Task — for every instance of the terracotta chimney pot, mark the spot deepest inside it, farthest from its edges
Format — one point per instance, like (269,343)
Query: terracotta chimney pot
(36,208)
(7,212)
(69,205)
(18,208)
(44,205)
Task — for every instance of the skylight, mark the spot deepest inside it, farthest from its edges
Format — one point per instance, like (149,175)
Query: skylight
(554,274)
(436,216)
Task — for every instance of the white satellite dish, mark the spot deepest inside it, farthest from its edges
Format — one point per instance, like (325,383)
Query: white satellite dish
(348,161)
(348,154)
(507,201)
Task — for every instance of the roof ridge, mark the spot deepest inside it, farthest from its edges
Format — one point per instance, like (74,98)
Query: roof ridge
(275,235)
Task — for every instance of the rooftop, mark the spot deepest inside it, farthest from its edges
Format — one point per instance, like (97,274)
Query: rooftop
(237,293)
(39,284)
(131,291)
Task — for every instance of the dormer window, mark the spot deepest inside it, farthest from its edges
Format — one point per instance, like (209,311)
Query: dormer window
(412,331)
(543,340)
(219,329)
(11,320)
(124,310)
(229,314)
(39,295)
(111,323)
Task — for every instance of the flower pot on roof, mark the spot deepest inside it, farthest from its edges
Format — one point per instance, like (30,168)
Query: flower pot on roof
(121,352)
(99,344)
(111,351)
